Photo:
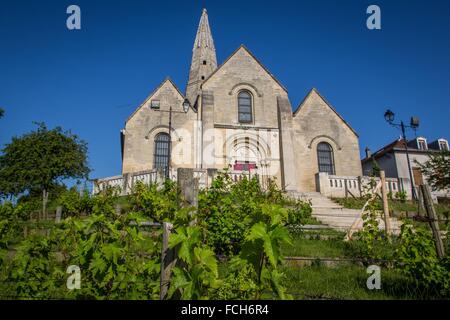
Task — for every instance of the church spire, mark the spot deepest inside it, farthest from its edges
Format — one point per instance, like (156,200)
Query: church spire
(204,60)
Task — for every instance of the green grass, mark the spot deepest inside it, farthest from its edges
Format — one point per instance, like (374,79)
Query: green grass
(348,282)
(334,247)
(314,248)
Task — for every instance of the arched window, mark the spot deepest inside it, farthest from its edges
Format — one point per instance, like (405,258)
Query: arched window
(245,106)
(161,156)
(325,158)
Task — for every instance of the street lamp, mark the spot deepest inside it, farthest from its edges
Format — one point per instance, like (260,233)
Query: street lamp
(389,116)
(186,105)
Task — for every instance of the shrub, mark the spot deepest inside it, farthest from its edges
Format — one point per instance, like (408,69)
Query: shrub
(75,204)
(11,218)
(390,195)
(299,214)
(418,260)
(116,260)
(226,211)
(237,284)
(198,273)
(34,272)
(157,204)
(400,196)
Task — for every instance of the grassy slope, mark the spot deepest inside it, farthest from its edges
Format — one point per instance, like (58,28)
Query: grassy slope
(347,282)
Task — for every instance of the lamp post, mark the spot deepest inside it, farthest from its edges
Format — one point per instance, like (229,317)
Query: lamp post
(414,124)
(186,106)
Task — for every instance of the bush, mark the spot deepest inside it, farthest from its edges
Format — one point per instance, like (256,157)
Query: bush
(418,260)
(228,209)
(237,284)
(75,204)
(116,260)
(400,196)
(34,272)
(154,203)
(299,214)
(10,227)
(225,212)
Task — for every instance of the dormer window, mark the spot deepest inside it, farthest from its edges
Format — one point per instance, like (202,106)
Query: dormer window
(154,104)
(443,145)
(422,144)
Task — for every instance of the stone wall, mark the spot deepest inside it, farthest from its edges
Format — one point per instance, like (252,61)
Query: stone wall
(315,121)
(143,126)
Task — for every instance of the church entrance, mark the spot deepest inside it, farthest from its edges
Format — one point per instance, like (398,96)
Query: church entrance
(247,155)
(244,166)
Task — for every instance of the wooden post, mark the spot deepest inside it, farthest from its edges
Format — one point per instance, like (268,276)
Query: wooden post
(387,221)
(188,185)
(434,222)
(58,214)
(160,178)
(421,202)
(168,261)
(44,204)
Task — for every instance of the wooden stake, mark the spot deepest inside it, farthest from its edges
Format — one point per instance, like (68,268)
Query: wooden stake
(434,222)
(387,222)
(44,204)
(168,261)
(58,214)
(421,204)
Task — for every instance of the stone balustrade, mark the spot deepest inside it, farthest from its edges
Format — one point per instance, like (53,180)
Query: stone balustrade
(345,186)
(126,182)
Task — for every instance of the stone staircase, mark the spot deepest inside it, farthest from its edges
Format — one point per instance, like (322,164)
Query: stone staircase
(334,215)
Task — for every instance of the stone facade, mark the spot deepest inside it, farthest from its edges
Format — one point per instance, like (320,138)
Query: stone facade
(276,142)
(145,123)
(316,121)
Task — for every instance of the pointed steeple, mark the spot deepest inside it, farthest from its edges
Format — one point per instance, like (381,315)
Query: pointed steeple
(204,60)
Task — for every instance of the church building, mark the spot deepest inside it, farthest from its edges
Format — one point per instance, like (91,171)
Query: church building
(237,115)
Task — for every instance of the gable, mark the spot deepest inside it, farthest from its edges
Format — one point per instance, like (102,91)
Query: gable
(313,101)
(167,84)
(243,60)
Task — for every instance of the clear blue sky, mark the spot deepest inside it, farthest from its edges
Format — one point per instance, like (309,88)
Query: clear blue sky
(90,80)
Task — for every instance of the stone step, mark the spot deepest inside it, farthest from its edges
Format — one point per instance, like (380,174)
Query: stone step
(336,216)
(329,207)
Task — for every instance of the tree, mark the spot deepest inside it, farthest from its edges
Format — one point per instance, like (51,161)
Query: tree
(2,112)
(375,168)
(39,160)
(437,170)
